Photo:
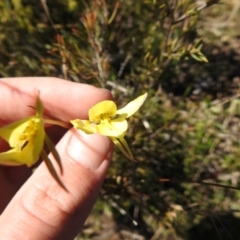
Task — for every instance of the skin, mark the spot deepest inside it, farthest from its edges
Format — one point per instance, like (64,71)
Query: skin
(34,206)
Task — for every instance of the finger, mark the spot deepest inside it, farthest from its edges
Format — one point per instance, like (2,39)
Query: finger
(42,209)
(62,99)
(11,179)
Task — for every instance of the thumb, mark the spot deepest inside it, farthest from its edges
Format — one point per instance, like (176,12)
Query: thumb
(42,209)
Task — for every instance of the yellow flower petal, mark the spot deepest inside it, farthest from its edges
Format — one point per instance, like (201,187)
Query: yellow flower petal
(24,151)
(83,125)
(102,110)
(132,107)
(112,128)
(35,146)
(6,132)
(10,158)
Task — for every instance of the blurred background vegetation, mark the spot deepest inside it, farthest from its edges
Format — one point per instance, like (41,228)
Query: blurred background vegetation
(186,55)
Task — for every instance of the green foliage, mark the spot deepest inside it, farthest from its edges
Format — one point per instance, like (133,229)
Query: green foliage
(131,47)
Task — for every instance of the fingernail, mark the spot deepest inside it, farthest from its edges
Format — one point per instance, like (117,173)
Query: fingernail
(90,150)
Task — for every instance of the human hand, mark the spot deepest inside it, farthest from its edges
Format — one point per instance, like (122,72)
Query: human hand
(39,208)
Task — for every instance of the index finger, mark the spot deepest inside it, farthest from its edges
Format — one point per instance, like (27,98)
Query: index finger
(62,99)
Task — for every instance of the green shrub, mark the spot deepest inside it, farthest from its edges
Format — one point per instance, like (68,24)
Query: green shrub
(131,47)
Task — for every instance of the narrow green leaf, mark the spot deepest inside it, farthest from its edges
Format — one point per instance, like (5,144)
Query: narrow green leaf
(54,152)
(52,170)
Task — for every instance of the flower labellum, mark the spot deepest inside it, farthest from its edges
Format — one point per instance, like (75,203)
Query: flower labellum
(105,119)
(26,139)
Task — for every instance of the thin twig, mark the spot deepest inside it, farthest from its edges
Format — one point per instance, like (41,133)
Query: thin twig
(198,182)
(198,9)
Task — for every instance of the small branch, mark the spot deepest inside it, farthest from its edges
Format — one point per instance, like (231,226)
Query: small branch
(198,9)
(198,182)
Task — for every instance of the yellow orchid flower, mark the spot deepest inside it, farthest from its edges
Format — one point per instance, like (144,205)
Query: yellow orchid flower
(26,139)
(105,119)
